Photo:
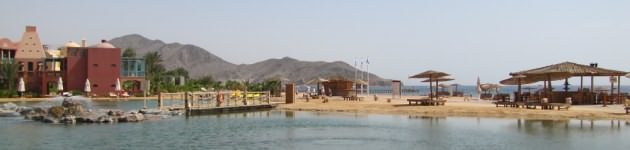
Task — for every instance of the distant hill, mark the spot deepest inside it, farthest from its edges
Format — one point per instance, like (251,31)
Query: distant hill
(200,62)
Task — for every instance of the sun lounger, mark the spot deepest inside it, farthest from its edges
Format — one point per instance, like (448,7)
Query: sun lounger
(124,94)
(112,94)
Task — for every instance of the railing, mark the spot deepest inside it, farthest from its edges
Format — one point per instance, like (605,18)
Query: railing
(215,99)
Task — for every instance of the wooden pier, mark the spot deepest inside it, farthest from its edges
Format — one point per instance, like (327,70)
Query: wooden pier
(195,103)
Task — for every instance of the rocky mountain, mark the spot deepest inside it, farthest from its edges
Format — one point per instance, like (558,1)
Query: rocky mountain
(200,62)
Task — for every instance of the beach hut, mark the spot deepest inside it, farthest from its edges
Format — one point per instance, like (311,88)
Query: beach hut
(431,75)
(317,81)
(574,70)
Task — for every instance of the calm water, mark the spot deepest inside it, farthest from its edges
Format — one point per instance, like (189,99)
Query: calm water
(315,130)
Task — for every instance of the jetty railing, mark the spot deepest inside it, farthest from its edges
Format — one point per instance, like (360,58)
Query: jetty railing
(214,99)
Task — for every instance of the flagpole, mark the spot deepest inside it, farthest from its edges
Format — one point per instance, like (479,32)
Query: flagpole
(367,68)
(361,73)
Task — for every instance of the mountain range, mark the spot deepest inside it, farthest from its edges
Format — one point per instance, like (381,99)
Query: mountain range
(200,62)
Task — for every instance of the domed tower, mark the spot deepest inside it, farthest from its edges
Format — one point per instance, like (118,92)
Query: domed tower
(64,49)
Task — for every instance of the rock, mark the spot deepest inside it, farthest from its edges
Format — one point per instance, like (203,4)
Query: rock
(56,111)
(9,106)
(115,113)
(150,111)
(69,119)
(8,113)
(105,119)
(131,117)
(49,119)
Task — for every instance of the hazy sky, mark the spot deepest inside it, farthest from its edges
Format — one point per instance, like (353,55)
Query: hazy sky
(467,38)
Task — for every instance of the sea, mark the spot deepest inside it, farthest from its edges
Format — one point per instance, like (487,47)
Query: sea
(306,130)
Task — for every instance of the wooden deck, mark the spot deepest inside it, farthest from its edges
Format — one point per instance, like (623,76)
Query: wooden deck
(195,103)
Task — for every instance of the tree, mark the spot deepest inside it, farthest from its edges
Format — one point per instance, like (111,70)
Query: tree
(177,72)
(154,69)
(129,52)
(9,73)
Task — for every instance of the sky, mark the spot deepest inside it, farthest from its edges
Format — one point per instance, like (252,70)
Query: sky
(468,39)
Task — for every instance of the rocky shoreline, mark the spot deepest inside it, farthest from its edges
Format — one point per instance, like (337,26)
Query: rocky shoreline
(73,112)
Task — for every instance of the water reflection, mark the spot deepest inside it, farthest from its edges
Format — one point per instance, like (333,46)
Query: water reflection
(542,126)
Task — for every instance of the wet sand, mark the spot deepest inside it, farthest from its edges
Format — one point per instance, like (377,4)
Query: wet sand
(455,106)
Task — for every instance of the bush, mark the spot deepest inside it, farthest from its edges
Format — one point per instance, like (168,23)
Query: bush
(7,93)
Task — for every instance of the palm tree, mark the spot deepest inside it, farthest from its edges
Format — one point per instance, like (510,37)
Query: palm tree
(154,69)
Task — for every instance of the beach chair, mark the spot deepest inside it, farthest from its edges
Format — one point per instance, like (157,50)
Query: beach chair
(124,94)
(113,95)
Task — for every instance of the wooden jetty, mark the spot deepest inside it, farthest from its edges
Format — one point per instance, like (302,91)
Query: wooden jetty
(215,102)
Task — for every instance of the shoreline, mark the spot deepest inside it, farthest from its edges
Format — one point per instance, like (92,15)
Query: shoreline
(454,107)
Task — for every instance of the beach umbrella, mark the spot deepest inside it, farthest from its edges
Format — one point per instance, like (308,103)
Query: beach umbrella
(118,86)
(431,75)
(60,85)
(478,86)
(88,86)
(21,86)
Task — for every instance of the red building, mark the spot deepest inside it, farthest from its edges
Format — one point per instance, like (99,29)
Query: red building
(74,64)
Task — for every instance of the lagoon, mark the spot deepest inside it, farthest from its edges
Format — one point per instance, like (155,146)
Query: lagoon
(315,130)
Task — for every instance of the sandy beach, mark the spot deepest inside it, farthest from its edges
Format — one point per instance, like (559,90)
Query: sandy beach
(455,106)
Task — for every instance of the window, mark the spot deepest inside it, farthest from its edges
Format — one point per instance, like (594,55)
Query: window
(95,65)
(113,85)
(30,66)
(95,85)
(30,37)
(113,65)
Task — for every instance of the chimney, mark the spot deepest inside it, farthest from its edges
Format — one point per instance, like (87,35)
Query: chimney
(83,44)
(31,29)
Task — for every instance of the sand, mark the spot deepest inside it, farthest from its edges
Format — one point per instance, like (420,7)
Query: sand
(455,106)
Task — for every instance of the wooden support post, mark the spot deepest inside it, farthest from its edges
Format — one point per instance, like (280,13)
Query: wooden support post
(290,93)
(160,100)
(619,97)
(186,101)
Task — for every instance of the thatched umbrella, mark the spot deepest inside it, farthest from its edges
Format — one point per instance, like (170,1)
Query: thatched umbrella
(431,75)
(573,69)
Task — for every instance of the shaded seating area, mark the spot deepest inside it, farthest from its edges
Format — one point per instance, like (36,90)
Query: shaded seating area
(547,98)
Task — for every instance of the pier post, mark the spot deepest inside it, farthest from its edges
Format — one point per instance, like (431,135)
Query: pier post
(186,101)
(290,93)
(160,100)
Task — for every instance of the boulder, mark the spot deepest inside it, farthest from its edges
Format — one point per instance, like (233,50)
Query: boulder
(70,119)
(56,111)
(131,117)
(49,119)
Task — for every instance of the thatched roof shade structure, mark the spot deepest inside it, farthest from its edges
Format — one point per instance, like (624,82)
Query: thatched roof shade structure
(565,70)
(438,79)
(429,74)
(432,75)
(572,68)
